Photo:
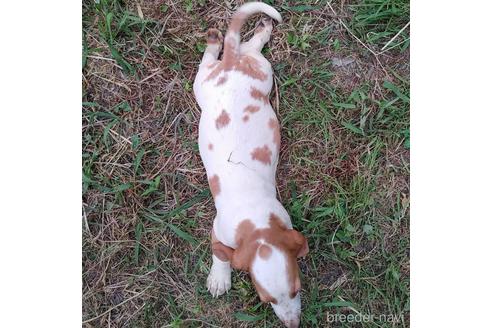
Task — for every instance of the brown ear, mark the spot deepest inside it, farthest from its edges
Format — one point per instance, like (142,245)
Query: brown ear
(246,249)
(243,256)
(223,252)
(240,261)
(301,245)
(296,287)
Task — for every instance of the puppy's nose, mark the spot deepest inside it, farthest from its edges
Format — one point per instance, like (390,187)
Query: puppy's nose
(292,323)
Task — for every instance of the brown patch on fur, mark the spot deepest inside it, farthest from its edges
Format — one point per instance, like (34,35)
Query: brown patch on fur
(210,146)
(290,241)
(251,109)
(232,60)
(217,69)
(273,124)
(223,252)
(213,64)
(244,228)
(221,81)
(222,120)
(244,64)
(243,256)
(262,154)
(231,44)
(265,251)
(230,54)
(214,184)
(258,95)
(251,67)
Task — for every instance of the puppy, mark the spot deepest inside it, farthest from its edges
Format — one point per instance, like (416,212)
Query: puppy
(239,142)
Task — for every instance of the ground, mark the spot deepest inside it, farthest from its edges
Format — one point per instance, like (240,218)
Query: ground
(341,93)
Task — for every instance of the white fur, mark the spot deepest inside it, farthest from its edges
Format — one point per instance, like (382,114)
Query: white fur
(289,310)
(272,275)
(272,272)
(247,186)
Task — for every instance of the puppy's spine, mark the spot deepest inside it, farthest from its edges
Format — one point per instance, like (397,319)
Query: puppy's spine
(232,39)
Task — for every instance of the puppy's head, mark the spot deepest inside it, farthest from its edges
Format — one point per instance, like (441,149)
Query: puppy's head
(270,256)
(275,275)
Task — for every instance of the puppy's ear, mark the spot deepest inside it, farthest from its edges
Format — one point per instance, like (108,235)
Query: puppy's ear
(246,249)
(243,256)
(223,252)
(299,242)
(296,287)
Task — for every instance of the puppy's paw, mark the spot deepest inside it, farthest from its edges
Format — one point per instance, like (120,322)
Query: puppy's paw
(266,20)
(219,280)
(214,36)
(265,24)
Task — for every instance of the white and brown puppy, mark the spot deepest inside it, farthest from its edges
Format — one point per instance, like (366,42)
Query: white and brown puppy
(239,141)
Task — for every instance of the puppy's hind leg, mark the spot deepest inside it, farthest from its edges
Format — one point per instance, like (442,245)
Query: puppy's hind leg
(214,46)
(262,34)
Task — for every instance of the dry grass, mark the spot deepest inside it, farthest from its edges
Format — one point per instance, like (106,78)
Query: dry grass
(343,172)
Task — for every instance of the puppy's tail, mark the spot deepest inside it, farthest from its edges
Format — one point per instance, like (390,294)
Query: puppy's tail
(232,39)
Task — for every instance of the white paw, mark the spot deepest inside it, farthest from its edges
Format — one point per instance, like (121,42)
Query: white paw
(219,280)
(267,21)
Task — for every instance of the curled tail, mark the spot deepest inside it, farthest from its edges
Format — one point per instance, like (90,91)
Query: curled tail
(233,39)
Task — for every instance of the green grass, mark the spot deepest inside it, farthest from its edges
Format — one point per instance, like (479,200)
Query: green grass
(343,174)
(377,21)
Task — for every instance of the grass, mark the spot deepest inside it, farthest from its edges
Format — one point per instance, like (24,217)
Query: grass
(343,173)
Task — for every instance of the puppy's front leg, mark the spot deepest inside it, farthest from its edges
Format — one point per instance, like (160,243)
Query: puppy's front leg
(219,278)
